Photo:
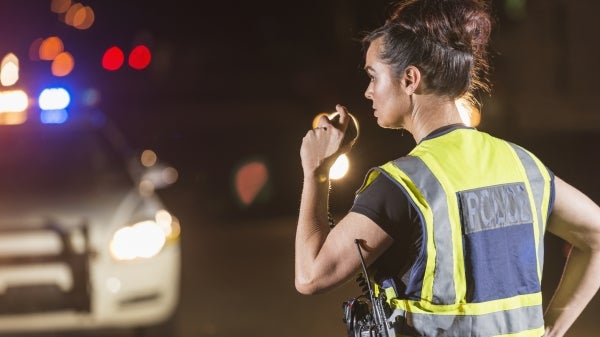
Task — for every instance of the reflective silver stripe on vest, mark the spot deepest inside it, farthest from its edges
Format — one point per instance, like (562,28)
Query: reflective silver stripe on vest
(443,283)
(536,180)
(513,321)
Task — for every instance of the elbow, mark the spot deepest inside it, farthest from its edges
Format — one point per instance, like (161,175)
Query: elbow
(305,286)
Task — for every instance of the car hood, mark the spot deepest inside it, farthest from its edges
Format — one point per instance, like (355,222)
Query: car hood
(65,210)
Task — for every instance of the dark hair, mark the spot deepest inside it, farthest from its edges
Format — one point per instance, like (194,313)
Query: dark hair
(445,39)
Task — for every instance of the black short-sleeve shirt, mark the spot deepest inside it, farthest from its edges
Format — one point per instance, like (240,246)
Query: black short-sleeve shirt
(384,202)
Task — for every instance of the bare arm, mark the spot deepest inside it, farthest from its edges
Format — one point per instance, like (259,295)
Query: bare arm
(326,258)
(576,219)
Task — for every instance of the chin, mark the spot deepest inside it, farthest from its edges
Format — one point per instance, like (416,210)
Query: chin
(385,125)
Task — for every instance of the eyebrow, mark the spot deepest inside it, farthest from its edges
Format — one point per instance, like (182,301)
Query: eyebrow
(369,68)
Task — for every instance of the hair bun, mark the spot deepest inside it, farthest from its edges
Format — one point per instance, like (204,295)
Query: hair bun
(464,25)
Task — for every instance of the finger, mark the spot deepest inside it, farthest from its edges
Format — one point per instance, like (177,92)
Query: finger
(344,117)
(323,122)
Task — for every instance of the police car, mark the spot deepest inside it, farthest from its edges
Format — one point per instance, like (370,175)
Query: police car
(85,241)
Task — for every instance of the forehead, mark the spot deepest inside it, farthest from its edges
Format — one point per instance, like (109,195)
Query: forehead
(372,56)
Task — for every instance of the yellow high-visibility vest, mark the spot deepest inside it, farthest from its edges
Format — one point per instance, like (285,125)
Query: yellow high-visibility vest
(483,204)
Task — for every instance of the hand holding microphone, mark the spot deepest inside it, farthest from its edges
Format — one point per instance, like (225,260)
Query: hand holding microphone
(351,130)
(324,147)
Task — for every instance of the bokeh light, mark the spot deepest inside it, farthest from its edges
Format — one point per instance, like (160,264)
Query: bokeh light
(54,99)
(54,116)
(140,57)
(170,175)
(13,101)
(34,49)
(250,179)
(148,158)
(63,64)
(90,97)
(60,6)
(9,70)
(74,14)
(13,106)
(50,48)
(113,58)
(83,18)
(339,168)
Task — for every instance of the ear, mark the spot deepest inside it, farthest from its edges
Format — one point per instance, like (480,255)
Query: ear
(412,79)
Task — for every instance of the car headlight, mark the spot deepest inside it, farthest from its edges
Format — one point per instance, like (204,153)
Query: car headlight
(144,239)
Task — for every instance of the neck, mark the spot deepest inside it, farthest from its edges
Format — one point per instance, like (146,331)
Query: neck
(431,112)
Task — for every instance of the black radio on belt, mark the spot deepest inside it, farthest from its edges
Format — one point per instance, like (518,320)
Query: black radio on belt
(365,315)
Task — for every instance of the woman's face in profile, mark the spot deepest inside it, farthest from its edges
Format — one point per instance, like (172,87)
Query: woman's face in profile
(391,104)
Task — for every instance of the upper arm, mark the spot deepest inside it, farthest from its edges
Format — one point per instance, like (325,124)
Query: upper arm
(575,217)
(339,259)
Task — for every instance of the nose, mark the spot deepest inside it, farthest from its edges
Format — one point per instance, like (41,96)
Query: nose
(368,93)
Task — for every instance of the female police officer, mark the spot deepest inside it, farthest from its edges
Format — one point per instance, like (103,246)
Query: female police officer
(452,232)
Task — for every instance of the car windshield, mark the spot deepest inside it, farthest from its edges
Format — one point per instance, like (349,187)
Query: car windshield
(58,160)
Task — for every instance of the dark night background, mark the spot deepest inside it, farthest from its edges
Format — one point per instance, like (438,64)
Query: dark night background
(243,79)
(237,80)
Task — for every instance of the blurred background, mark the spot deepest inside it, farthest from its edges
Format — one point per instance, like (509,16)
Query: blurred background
(225,91)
